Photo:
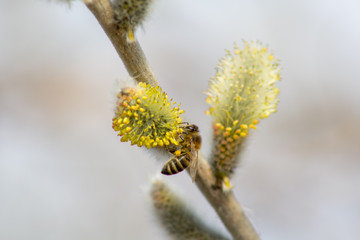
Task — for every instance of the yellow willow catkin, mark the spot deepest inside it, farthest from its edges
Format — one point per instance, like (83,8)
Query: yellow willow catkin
(178,220)
(129,14)
(241,93)
(146,117)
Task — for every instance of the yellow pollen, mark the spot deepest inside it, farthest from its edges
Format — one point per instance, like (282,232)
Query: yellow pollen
(227,184)
(219,125)
(144,124)
(174,141)
(243,126)
(130,36)
(252,126)
(126,121)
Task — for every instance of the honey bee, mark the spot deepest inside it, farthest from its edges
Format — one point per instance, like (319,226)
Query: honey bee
(186,154)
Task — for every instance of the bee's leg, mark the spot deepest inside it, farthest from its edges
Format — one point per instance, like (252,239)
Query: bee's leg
(182,138)
(184,132)
(172,148)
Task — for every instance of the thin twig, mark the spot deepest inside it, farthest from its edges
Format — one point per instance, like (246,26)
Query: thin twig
(130,53)
(135,62)
(225,204)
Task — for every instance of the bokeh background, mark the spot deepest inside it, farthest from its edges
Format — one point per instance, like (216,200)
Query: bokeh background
(65,175)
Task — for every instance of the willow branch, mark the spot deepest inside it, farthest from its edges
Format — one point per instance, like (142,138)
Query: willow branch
(131,54)
(225,204)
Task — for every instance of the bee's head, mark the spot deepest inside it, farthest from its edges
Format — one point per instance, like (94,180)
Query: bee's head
(191,128)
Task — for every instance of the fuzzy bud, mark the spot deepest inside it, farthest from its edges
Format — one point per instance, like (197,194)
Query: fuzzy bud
(178,220)
(129,14)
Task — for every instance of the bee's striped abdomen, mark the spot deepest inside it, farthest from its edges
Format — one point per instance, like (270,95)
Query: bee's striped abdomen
(175,165)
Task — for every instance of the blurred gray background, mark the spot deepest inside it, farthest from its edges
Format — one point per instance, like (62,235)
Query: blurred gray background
(65,175)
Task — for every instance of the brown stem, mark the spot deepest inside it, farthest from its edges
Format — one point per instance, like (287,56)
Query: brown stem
(224,203)
(130,53)
(135,62)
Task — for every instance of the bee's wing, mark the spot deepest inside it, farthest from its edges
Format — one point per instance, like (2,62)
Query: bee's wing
(193,161)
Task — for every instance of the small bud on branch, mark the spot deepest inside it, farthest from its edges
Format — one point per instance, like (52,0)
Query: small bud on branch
(129,14)
(179,221)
